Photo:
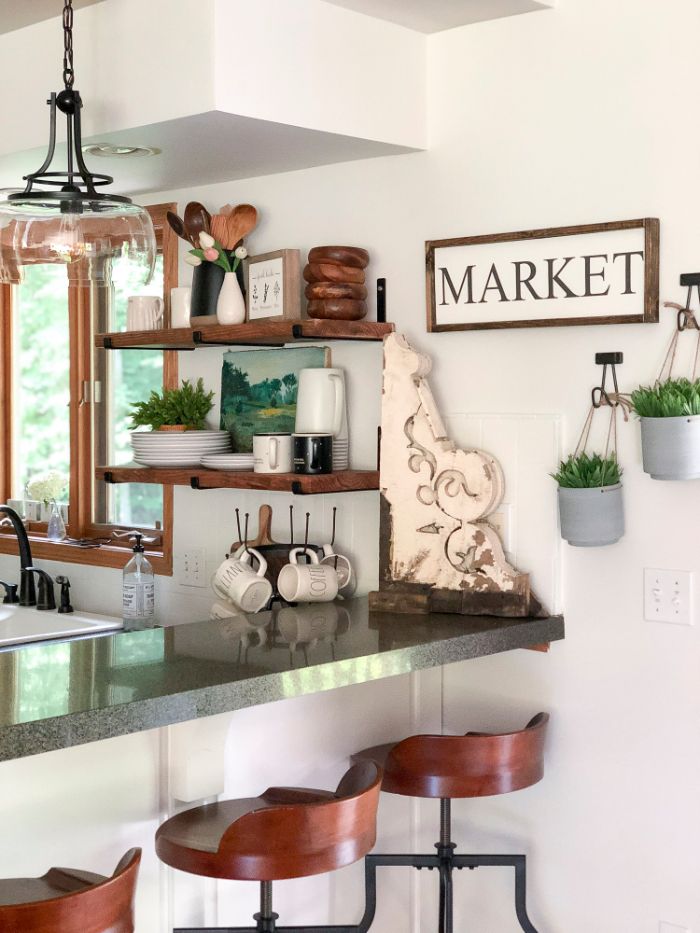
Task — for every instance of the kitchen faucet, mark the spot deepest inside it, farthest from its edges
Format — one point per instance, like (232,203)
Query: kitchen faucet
(27,593)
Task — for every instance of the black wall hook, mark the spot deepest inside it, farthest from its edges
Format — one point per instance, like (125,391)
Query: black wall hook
(599,395)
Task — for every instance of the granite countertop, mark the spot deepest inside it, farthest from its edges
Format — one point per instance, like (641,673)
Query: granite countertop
(57,694)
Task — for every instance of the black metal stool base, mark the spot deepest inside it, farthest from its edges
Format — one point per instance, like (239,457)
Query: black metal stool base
(445,862)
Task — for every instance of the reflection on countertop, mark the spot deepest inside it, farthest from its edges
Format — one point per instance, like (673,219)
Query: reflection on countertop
(55,695)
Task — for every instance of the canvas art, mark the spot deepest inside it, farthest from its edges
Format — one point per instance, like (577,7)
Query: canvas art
(259,390)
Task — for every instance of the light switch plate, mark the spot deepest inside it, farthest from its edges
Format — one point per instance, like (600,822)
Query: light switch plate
(668,596)
(665,927)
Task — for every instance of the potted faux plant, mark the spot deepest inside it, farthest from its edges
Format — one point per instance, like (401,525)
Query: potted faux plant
(670,417)
(183,409)
(590,500)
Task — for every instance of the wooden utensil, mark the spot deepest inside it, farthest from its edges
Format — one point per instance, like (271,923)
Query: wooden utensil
(197,220)
(218,229)
(326,272)
(226,209)
(337,309)
(340,255)
(239,223)
(178,227)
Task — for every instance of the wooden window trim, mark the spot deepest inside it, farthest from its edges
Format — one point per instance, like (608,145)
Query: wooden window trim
(82,474)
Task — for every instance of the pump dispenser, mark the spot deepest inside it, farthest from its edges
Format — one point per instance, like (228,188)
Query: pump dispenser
(138,588)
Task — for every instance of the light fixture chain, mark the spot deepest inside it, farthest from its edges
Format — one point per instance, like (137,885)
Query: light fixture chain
(68,73)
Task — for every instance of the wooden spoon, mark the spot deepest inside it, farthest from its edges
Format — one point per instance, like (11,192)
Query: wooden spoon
(239,223)
(218,229)
(197,220)
(178,227)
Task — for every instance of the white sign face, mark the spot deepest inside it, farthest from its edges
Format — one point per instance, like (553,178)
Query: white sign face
(584,275)
(266,289)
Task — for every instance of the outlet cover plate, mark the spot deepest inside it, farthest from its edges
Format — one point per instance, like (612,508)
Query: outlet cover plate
(193,571)
(668,596)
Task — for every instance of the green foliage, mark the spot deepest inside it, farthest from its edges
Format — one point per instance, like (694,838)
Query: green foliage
(188,406)
(671,399)
(588,471)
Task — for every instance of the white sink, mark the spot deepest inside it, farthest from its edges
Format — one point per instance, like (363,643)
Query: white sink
(21,624)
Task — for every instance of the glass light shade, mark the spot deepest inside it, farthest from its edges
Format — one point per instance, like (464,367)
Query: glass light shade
(87,237)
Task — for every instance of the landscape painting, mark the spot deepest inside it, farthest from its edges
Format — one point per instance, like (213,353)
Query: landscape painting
(259,390)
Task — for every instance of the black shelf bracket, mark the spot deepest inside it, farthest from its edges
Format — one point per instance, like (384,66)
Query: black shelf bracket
(108,476)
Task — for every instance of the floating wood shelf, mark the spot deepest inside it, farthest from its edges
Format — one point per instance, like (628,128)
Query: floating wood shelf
(265,333)
(200,478)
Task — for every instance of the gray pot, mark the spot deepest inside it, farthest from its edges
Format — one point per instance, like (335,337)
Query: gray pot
(591,517)
(671,447)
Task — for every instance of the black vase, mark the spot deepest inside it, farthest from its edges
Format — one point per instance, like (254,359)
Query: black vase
(207,280)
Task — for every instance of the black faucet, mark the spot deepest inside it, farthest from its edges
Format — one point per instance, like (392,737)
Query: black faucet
(27,593)
(46,598)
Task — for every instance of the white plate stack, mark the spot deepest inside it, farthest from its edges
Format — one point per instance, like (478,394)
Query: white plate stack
(177,448)
(242,461)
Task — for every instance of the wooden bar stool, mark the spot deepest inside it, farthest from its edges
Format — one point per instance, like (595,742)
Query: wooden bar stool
(287,832)
(65,900)
(477,764)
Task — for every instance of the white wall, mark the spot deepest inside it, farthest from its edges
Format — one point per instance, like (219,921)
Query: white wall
(581,114)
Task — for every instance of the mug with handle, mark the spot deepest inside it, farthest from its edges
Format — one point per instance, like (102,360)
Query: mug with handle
(272,453)
(347,582)
(144,312)
(236,580)
(307,583)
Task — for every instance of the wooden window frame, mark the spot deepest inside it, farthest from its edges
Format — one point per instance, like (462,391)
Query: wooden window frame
(82,465)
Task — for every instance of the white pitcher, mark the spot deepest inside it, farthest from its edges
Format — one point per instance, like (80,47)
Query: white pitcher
(144,312)
(321,407)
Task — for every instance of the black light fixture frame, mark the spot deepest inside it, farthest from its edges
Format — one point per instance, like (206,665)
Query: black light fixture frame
(72,197)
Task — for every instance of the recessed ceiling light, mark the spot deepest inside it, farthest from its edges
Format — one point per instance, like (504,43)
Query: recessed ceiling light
(109,150)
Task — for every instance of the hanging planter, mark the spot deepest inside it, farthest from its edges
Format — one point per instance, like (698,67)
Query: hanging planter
(670,418)
(591,509)
(669,412)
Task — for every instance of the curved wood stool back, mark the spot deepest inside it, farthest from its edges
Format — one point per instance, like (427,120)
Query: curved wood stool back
(477,764)
(284,833)
(68,901)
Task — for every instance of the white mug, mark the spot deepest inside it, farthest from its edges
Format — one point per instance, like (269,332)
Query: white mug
(236,580)
(272,453)
(144,312)
(307,583)
(180,303)
(321,402)
(343,568)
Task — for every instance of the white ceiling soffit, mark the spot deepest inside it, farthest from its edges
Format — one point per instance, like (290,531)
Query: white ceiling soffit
(15,14)
(437,15)
(245,148)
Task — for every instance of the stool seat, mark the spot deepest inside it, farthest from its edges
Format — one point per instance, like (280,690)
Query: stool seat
(287,832)
(71,901)
(478,764)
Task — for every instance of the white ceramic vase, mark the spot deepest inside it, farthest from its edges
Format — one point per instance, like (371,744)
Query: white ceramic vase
(230,307)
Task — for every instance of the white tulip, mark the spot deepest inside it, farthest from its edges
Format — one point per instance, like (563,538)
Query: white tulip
(241,252)
(206,240)
(193,260)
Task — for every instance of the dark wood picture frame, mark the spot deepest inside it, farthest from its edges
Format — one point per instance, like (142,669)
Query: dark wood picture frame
(649,312)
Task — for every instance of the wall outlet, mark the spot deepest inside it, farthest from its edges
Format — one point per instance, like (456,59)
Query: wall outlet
(193,572)
(668,596)
(665,927)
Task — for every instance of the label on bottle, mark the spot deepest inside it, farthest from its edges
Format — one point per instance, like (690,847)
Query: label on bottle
(138,600)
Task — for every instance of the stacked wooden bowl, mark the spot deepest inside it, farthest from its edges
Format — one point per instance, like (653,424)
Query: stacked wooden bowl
(336,282)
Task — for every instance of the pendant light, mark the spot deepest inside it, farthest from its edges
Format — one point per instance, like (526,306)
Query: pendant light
(60,217)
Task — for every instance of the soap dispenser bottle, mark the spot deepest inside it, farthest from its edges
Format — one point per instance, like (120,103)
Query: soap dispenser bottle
(138,589)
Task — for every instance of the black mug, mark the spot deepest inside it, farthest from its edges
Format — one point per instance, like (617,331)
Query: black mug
(313,453)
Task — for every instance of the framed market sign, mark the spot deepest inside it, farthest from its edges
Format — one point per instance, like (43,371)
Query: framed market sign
(592,274)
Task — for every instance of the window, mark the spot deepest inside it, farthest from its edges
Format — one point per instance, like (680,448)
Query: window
(64,405)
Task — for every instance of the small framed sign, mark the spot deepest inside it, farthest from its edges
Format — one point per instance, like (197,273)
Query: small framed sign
(274,285)
(592,274)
